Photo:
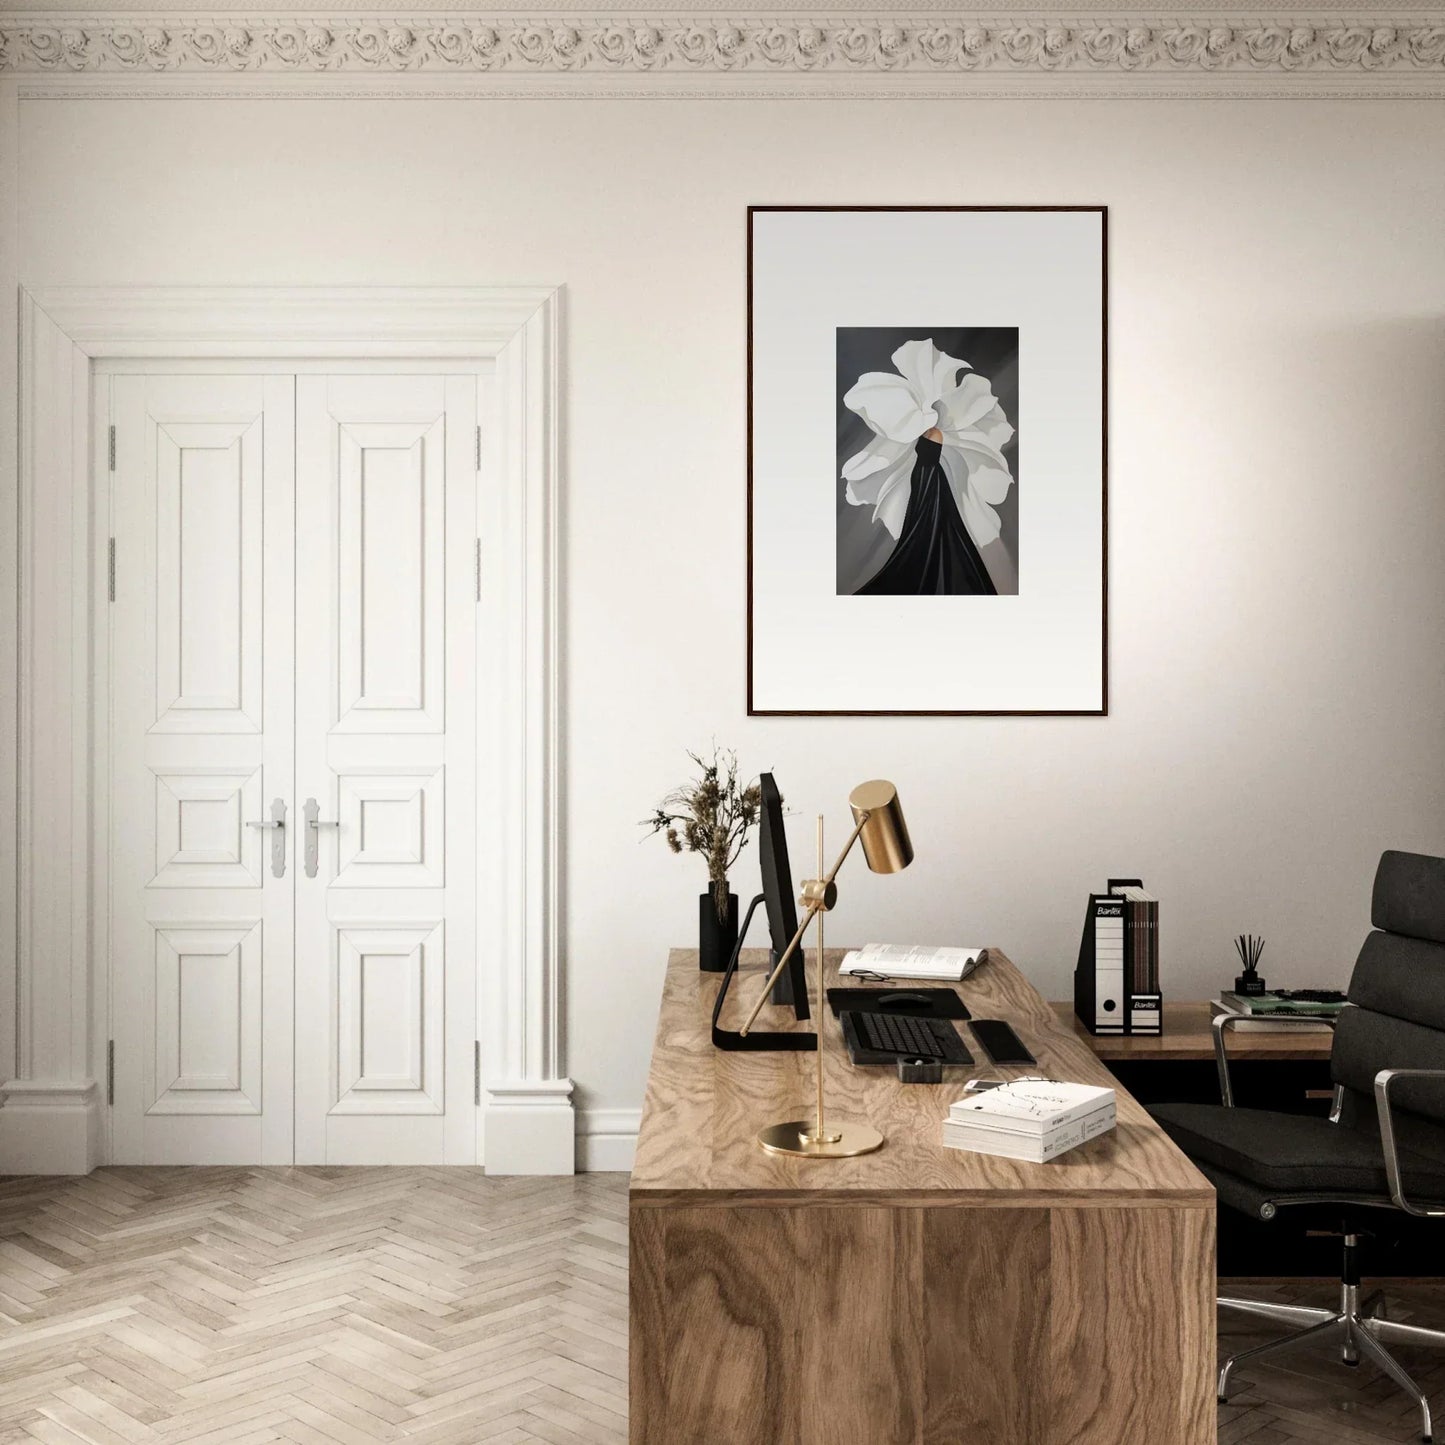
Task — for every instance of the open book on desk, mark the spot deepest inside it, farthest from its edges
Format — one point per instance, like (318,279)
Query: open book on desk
(902,960)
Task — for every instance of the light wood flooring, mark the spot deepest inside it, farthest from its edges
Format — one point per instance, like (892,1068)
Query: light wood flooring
(342,1307)
(324,1306)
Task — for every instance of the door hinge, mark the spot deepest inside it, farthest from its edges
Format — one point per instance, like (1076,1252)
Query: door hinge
(112,448)
(479,448)
(477,1072)
(110,568)
(110,1072)
(479,568)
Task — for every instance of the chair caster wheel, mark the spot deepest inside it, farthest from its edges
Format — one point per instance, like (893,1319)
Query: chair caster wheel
(1353,1364)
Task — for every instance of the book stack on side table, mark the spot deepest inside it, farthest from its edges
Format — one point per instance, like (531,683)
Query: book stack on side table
(1261,1012)
(1034,1119)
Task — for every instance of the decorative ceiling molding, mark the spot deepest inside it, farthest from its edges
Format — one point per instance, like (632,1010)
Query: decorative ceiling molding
(933,53)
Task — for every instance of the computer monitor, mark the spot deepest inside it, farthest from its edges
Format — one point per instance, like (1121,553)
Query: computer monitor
(777,897)
(791,987)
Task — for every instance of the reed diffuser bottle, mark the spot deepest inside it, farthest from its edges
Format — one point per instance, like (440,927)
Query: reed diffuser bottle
(1249,948)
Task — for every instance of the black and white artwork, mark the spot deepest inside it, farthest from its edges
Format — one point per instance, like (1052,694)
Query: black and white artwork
(927,493)
(927,417)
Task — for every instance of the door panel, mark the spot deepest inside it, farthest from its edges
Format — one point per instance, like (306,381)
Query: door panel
(201,743)
(389,596)
(386,733)
(207,1057)
(201,834)
(393,822)
(390,984)
(208,577)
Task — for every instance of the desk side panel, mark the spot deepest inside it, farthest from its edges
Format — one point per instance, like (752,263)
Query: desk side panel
(1132,1327)
(716,1330)
(946,1326)
(985,1301)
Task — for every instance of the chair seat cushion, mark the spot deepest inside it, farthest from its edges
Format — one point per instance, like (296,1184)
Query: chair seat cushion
(1293,1153)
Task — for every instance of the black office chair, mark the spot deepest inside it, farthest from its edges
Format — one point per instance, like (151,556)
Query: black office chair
(1381,1151)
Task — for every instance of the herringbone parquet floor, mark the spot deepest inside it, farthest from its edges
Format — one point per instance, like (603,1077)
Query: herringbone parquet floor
(322,1306)
(348,1306)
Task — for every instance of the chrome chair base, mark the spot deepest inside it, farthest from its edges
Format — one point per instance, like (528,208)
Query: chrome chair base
(1360,1327)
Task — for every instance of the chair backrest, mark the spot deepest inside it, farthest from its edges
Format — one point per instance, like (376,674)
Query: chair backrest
(1398,993)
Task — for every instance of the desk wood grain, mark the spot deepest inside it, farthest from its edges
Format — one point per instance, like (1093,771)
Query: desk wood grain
(703,1108)
(919,1295)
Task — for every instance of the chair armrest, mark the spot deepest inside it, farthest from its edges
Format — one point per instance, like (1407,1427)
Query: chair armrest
(1222,1023)
(1383,1080)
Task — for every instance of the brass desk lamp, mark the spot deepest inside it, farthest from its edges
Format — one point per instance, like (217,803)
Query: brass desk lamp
(878,823)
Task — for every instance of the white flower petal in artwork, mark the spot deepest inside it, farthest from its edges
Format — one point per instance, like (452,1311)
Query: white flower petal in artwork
(945,372)
(967,404)
(995,427)
(914,360)
(888,404)
(864,491)
(886,492)
(989,484)
(928,372)
(878,454)
(892,505)
(976,450)
(980,518)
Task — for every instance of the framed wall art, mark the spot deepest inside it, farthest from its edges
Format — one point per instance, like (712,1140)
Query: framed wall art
(927,459)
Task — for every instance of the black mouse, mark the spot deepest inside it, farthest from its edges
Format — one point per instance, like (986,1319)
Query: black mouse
(904,1000)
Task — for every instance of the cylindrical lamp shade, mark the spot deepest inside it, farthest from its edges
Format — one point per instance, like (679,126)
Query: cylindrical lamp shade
(886,844)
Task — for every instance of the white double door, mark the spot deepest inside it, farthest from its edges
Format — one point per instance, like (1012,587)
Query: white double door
(292,768)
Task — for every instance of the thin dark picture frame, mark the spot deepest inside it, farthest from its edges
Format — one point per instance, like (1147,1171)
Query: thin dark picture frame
(1102,211)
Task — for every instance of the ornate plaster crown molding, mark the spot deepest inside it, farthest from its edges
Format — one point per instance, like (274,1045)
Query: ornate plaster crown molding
(933,52)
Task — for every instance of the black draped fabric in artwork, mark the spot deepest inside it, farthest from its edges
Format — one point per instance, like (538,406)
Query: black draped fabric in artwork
(934,553)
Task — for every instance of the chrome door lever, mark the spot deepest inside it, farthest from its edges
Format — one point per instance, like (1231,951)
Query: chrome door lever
(276,821)
(314,824)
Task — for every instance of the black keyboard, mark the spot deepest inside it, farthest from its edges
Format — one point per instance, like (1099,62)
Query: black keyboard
(887,1037)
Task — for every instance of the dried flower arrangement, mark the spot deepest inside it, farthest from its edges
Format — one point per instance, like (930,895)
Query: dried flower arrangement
(711,815)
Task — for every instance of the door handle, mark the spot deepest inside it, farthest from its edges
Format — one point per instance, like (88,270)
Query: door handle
(276,821)
(314,824)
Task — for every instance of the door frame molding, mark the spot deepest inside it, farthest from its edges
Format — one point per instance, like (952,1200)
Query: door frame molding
(56,1032)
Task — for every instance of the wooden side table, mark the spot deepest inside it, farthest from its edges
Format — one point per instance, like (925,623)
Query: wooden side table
(1187,1036)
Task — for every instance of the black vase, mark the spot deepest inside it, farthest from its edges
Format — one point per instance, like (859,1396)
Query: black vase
(716,937)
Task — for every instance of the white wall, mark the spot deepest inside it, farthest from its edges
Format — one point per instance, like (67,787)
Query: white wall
(1277,480)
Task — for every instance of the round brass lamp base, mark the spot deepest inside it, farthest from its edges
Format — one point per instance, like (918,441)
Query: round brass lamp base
(843,1141)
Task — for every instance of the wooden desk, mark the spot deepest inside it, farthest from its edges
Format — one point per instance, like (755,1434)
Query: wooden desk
(918,1294)
(1188,1036)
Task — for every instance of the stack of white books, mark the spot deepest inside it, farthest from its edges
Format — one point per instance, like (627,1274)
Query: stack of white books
(1034,1119)
(903,960)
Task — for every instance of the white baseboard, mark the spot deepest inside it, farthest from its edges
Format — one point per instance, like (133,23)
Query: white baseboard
(49,1128)
(607,1139)
(530,1128)
(55,1129)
